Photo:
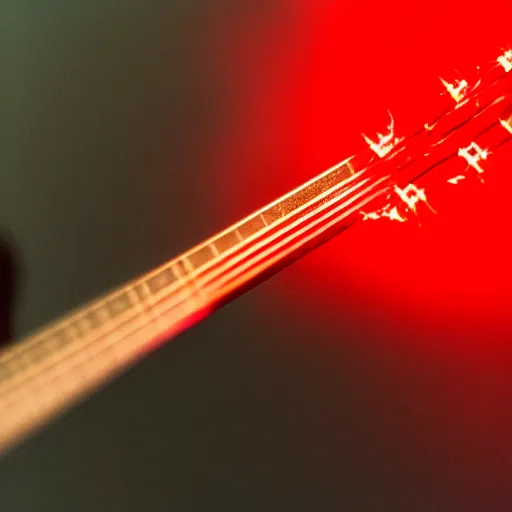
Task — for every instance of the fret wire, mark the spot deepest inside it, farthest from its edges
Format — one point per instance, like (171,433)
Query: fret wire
(135,301)
(201,256)
(188,265)
(229,240)
(262,217)
(155,319)
(186,273)
(146,310)
(180,276)
(214,249)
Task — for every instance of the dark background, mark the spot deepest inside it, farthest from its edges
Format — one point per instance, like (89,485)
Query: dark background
(112,114)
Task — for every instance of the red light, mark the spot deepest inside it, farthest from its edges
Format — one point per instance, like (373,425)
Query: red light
(335,73)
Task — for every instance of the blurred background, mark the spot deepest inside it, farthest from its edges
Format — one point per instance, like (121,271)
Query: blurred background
(374,374)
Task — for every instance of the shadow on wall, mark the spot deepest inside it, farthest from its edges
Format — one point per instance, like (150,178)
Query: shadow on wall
(7,284)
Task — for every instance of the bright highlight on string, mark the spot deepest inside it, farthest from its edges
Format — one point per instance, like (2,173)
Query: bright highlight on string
(385,142)
(474,154)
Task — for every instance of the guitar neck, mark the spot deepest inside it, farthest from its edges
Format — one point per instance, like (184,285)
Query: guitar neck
(44,374)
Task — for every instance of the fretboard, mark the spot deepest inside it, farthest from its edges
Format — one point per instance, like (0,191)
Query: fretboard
(45,373)
(41,376)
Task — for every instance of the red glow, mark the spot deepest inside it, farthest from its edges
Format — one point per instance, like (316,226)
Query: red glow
(327,72)
(434,299)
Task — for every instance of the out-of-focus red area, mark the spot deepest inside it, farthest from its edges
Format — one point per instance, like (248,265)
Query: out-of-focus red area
(309,79)
(320,74)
